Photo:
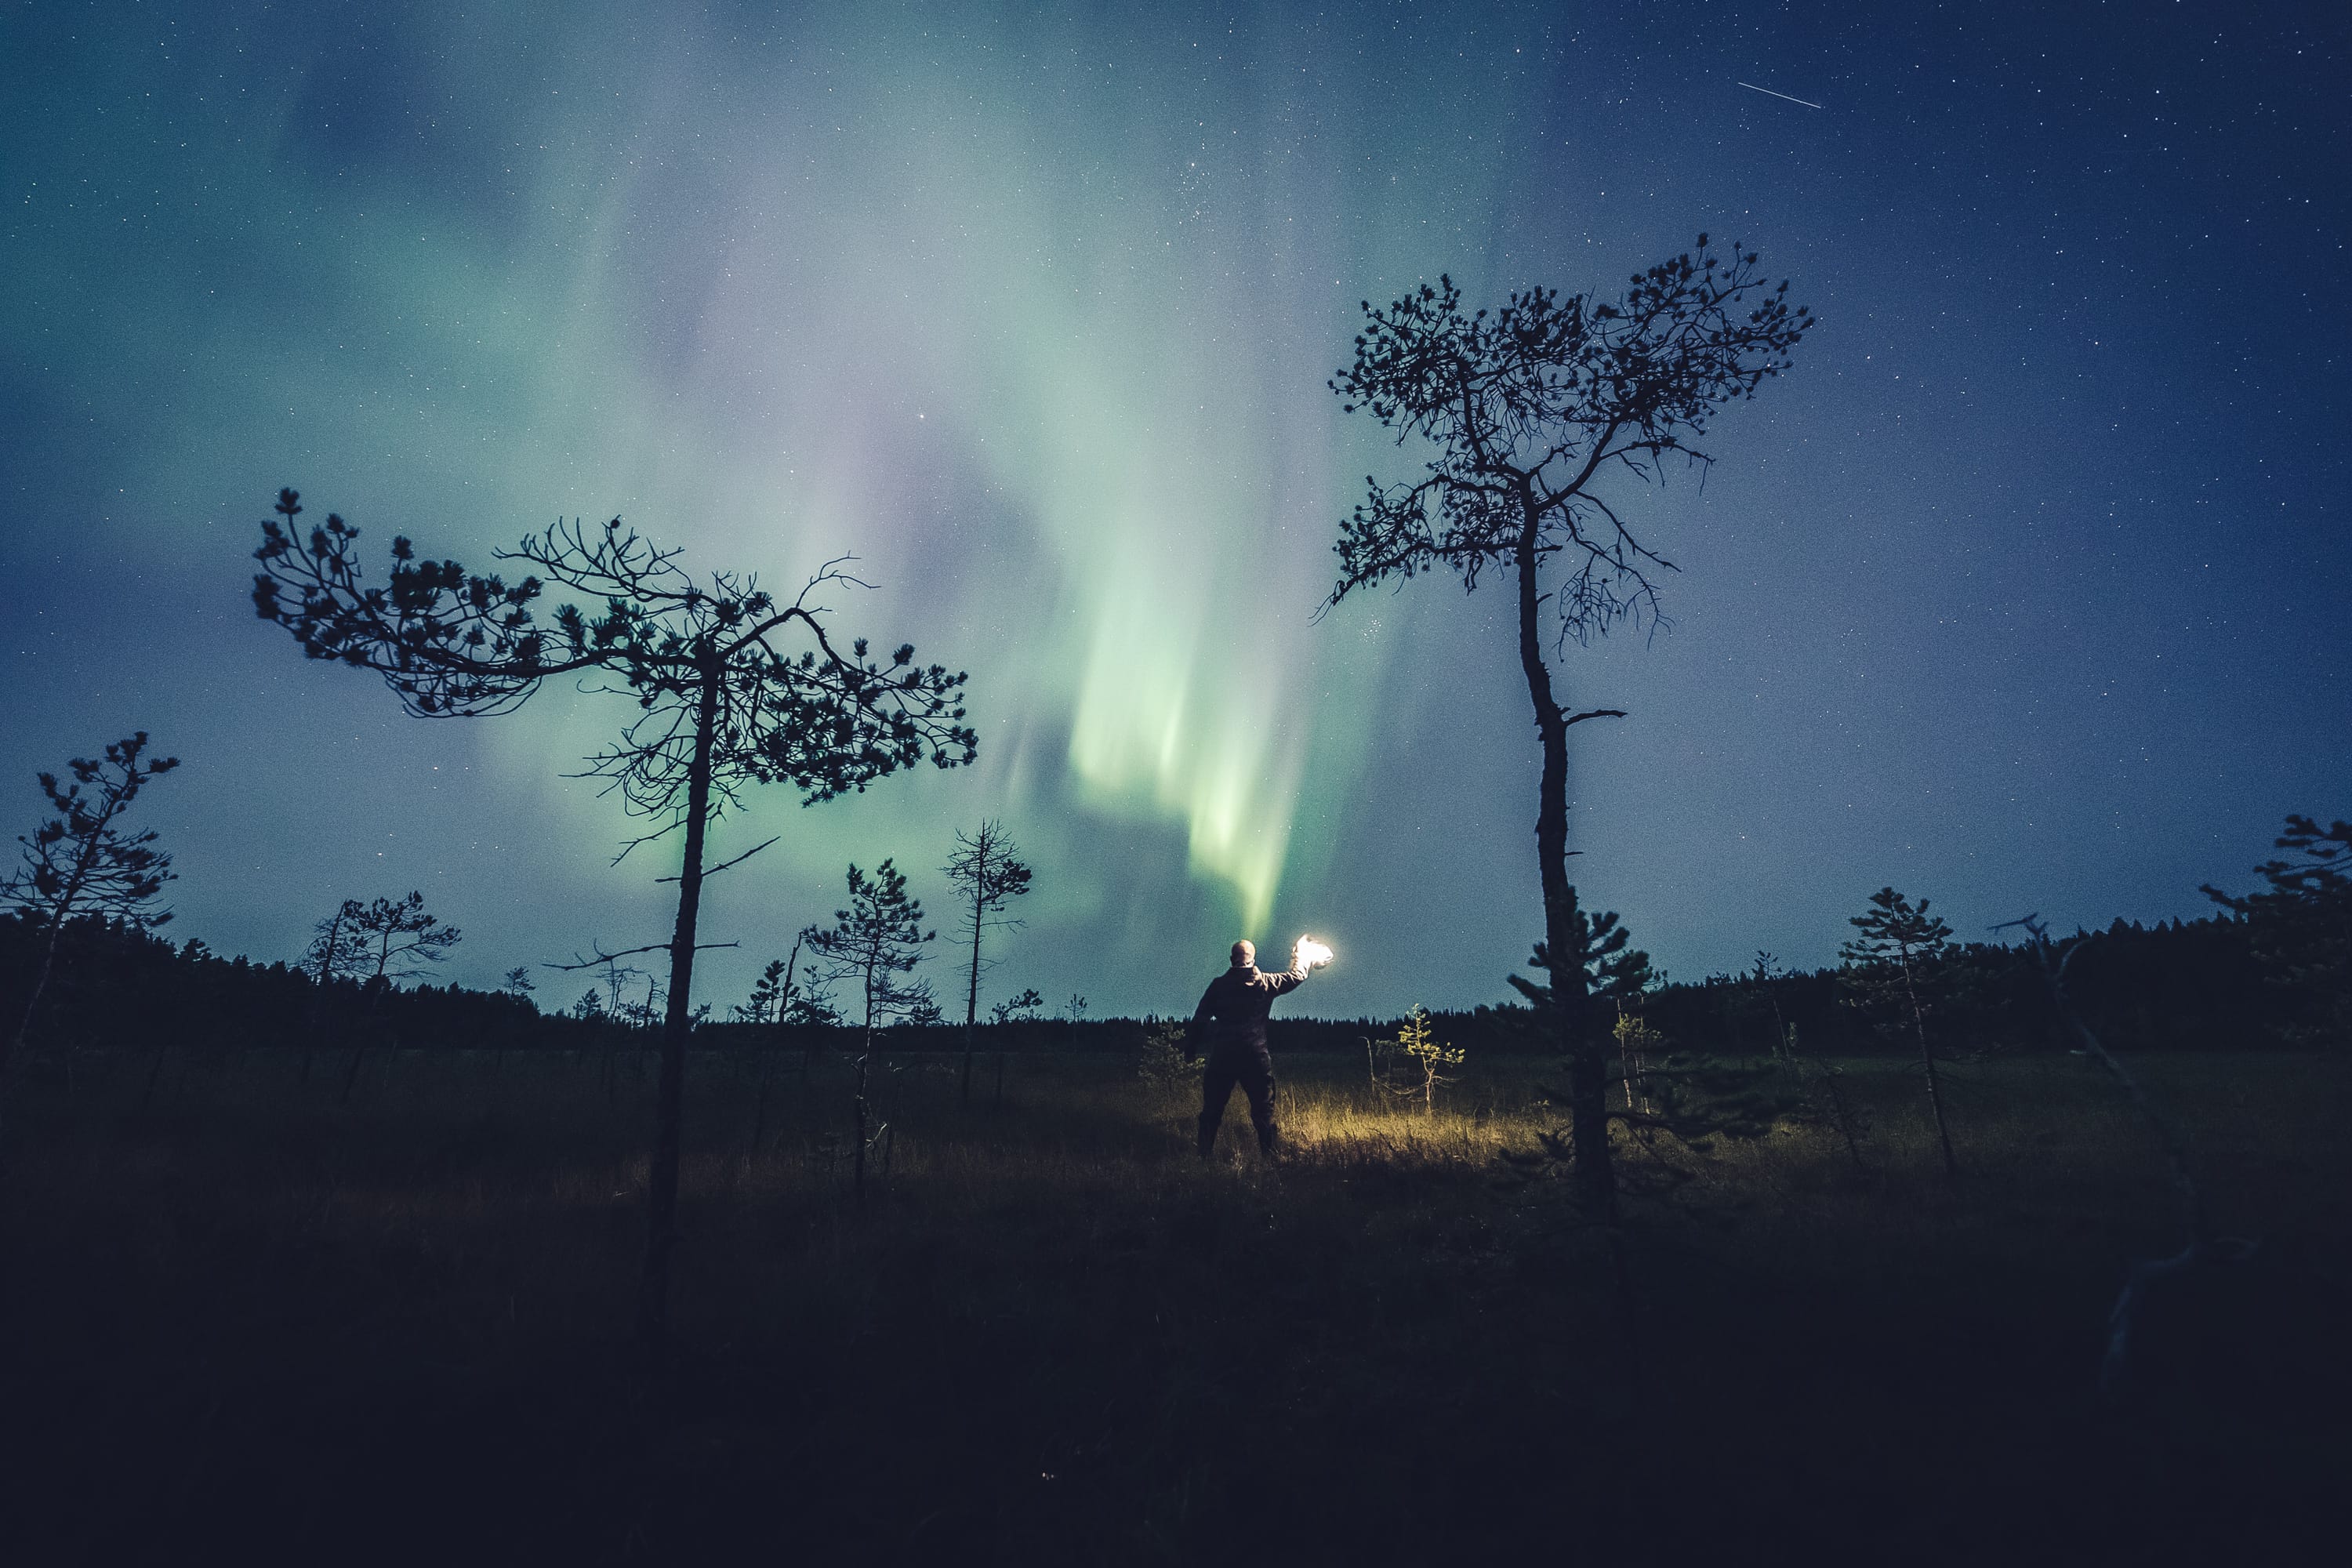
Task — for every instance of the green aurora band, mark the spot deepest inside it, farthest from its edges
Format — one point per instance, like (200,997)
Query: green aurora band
(1034,320)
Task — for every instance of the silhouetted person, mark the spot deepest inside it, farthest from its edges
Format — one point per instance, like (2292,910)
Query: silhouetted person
(1232,1017)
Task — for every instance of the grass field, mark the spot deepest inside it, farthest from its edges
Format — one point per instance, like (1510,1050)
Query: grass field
(245,1319)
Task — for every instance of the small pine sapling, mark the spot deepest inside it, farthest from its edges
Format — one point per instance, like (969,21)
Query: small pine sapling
(1635,1041)
(1429,1054)
(1888,968)
(988,873)
(1164,1065)
(767,995)
(1761,998)
(875,941)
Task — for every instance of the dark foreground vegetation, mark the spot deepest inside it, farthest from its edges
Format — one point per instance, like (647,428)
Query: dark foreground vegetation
(248,1317)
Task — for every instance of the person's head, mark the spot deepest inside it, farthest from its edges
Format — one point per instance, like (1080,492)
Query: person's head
(1244,953)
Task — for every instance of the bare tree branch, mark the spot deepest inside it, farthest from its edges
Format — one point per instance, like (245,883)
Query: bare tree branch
(724,864)
(603,957)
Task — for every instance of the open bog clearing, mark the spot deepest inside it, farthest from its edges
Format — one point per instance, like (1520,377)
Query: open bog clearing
(243,1315)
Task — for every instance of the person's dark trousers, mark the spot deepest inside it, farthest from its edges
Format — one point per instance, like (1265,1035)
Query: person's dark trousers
(1248,1066)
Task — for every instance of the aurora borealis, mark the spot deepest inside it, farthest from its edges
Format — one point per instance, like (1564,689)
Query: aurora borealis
(2025,591)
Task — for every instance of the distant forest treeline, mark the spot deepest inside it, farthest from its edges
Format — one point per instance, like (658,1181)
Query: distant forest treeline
(2182,986)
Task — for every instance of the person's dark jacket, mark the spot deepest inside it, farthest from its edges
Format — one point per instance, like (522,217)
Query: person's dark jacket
(1233,1009)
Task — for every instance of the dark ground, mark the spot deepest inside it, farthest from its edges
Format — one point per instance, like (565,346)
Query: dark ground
(247,1321)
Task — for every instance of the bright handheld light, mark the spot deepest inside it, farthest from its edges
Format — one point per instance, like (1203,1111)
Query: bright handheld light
(1310,953)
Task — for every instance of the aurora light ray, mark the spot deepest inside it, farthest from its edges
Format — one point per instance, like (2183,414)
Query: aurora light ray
(1123,352)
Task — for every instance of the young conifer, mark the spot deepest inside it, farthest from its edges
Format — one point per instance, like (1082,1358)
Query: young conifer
(1890,969)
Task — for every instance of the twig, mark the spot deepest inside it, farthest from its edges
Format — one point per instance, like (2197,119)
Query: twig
(673,825)
(604,957)
(723,865)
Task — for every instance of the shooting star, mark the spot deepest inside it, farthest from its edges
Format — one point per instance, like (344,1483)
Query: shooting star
(1770,93)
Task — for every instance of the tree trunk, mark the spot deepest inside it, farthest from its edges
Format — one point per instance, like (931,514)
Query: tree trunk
(40,984)
(864,1056)
(1928,1060)
(972,996)
(677,1025)
(1625,1058)
(1588,1072)
(85,859)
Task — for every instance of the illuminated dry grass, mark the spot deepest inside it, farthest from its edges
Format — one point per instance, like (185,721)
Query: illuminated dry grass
(247,1310)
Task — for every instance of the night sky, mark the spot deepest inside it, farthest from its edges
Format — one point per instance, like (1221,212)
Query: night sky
(2025,591)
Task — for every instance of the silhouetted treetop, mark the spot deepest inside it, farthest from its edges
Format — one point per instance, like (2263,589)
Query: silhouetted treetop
(79,862)
(1529,405)
(397,937)
(823,719)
